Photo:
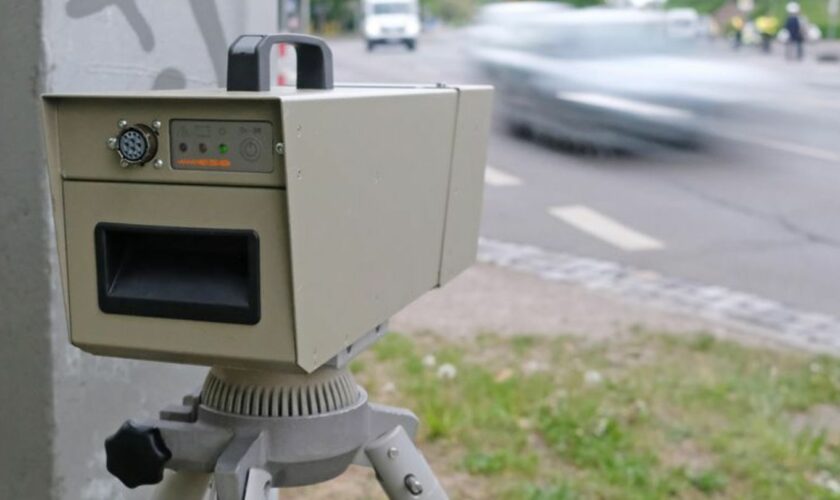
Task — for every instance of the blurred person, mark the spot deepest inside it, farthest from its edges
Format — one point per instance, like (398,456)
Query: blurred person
(795,33)
(768,27)
(736,24)
(750,34)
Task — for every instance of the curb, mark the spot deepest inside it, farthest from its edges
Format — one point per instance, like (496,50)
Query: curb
(768,318)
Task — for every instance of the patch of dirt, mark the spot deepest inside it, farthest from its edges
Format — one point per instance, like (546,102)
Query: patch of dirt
(357,482)
(487,298)
(688,455)
(820,418)
(631,356)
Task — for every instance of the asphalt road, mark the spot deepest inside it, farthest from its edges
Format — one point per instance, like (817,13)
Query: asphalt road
(758,211)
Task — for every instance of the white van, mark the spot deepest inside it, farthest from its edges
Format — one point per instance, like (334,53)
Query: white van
(391,21)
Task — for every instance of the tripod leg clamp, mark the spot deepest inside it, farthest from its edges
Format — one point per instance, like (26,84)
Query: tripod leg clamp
(401,469)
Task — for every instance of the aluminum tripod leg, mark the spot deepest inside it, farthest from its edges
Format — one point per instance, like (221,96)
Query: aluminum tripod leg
(182,486)
(258,486)
(194,486)
(401,469)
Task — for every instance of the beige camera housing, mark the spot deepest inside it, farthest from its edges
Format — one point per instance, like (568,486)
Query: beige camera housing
(306,219)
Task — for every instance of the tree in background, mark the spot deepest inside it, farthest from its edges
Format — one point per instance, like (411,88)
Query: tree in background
(461,11)
(343,15)
(815,10)
(451,11)
(333,16)
(701,6)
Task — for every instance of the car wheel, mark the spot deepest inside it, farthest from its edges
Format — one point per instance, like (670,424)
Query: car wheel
(411,44)
(521,130)
(370,46)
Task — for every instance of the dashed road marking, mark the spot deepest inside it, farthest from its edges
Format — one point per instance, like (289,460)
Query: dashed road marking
(605,228)
(495,177)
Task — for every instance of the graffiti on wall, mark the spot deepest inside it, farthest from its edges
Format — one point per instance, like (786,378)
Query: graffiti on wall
(205,13)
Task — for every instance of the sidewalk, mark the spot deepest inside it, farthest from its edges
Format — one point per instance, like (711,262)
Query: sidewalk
(809,69)
(523,289)
(489,298)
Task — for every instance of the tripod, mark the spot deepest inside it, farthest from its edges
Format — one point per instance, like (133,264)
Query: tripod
(250,431)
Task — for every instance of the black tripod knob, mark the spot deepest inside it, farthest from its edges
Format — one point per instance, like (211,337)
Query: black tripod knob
(136,454)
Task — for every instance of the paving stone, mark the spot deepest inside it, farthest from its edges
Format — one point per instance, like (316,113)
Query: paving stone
(781,322)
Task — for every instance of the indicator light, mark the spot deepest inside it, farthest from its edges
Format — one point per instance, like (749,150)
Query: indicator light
(223,148)
(202,147)
(183,147)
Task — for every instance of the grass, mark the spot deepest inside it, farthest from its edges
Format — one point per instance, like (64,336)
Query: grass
(645,416)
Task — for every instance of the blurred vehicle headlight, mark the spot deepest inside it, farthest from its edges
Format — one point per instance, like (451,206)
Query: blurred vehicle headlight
(372,28)
(412,28)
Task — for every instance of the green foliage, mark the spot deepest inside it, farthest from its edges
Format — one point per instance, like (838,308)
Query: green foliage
(584,3)
(334,15)
(815,10)
(495,462)
(702,6)
(708,481)
(393,346)
(702,342)
(672,416)
(343,14)
(583,434)
(452,11)
(461,11)
(555,492)
(522,343)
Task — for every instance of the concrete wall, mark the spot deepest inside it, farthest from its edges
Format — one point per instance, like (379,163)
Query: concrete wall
(59,404)
(26,408)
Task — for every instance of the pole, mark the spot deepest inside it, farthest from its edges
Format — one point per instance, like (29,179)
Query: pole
(305,16)
(282,16)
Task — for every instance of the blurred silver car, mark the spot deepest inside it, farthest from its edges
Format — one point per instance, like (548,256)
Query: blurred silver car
(604,77)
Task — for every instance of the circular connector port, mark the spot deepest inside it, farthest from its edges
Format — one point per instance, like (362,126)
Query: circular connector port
(137,144)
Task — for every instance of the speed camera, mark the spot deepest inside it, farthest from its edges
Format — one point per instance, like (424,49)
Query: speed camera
(260,228)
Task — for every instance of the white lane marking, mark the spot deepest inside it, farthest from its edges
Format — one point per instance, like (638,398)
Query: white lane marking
(602,227)
(495,177)
(626,105)
(788,147)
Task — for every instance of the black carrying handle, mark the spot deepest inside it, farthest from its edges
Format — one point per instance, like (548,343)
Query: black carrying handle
(248,61)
